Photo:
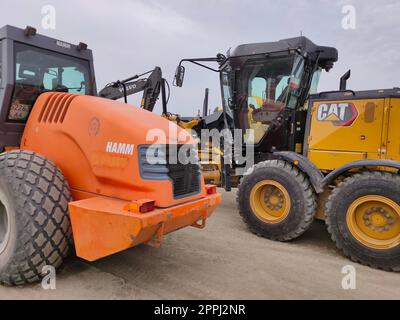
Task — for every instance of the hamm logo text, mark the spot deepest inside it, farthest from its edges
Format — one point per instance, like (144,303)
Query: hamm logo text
(120,148)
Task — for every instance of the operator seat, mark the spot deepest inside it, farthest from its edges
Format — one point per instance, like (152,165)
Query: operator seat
(27,88)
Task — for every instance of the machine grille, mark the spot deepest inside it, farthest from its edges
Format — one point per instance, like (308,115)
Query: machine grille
(186,178)
(56,107)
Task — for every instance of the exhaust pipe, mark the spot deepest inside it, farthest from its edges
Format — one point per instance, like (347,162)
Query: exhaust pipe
(205,103)
(343,80)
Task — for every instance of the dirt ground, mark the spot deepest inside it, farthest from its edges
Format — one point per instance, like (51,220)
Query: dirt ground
(223,261)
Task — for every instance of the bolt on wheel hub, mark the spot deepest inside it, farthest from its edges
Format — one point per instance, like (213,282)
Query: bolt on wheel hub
(378,219)
(273,198)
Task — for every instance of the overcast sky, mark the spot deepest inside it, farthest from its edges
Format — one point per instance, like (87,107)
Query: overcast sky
(132,36)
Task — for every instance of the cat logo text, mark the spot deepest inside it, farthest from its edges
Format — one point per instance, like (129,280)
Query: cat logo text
(339,114)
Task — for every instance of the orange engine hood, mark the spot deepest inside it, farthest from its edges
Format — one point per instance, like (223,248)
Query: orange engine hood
(94,141)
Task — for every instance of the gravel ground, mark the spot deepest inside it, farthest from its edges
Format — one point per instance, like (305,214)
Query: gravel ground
(223,261)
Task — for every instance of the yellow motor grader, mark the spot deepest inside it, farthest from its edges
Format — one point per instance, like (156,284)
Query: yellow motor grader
(332,155)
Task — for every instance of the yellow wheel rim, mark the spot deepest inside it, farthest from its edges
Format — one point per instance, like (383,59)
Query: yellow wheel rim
(375,222)
(270,201)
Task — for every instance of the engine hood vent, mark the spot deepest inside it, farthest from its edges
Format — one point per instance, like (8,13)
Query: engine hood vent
(55,108)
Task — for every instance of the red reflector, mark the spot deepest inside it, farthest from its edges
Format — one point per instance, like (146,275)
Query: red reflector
(211,189)
(147,207)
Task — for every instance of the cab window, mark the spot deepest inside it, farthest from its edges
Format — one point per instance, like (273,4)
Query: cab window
(265,88)
(38,70)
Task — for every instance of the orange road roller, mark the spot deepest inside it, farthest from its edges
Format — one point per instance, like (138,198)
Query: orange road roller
(82,171)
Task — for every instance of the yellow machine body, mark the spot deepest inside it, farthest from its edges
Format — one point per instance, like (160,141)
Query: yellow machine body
(340,132)
(349,128)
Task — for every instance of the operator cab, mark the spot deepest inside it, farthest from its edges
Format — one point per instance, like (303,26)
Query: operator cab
(265,86)
(32,64)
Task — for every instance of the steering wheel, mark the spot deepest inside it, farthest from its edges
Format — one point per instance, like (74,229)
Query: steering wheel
(272,105)
(61,88)
(268,112)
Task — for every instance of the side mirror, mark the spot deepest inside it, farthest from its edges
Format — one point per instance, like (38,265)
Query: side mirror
(179,76)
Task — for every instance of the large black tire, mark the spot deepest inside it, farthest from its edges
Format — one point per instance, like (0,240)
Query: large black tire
(339,207)
(302,200)
(34,221)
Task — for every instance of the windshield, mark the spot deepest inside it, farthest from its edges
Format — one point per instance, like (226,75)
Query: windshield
(265,88)
(38,70)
